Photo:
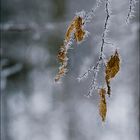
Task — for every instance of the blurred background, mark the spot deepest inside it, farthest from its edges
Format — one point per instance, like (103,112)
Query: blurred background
(33,107)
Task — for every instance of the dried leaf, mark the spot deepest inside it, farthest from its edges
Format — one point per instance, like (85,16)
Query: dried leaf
(76,28)
(62,54)
(62,57)
(61,73)
(112,68)
(102,104)
(79,35)
(78,23)
(69,31)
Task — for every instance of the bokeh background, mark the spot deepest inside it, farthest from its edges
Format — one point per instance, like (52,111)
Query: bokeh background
(33,107)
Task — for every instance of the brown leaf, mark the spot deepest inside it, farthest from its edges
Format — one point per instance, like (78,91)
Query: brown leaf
(79,35)
(62,54)
(62,57)
(112,68)
(61,73)
(69,31)
(76,28)
(78,23)
(102,104)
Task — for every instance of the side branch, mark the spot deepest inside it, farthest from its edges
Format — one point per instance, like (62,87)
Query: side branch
(130,10)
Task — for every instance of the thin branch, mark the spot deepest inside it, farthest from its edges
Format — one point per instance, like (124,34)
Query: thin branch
(105,27)
(86,73)
(130,11)
(93,85)
(96,68)
(91,14)
(93,82)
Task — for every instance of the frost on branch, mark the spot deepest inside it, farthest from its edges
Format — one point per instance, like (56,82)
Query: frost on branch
(131,10)
(95,69)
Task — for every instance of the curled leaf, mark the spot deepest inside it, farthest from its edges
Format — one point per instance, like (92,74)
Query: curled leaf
(112,68)
(69,31)
(61,73)
(102,104)
(75,31)
(79,35)
(75,27)
(62,54)
(62,57)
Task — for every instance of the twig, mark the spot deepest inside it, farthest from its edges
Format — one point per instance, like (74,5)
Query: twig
(131,7)
(96,68)
(93,82)
(90,15)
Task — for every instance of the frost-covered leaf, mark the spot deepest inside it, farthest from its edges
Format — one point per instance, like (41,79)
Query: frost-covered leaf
(74,31)
(62,54)
(61,73)
(75,27)
(69,31)
(79,35)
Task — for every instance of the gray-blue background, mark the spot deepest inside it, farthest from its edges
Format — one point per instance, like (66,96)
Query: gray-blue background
(33,107)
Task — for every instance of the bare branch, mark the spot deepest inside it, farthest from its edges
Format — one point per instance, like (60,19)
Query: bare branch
(93,85)
(101,60)
(131,10)
(91,14)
